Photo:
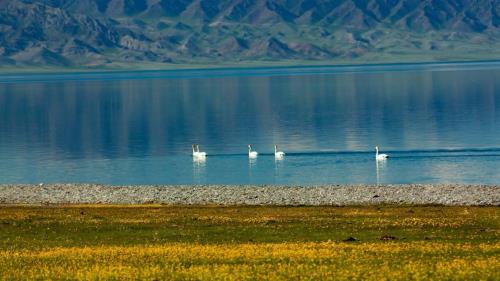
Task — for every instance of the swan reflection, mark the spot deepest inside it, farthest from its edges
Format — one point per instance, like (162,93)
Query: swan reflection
(380,166)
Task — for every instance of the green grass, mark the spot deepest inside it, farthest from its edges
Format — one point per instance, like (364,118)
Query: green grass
(41,227)
(369,59)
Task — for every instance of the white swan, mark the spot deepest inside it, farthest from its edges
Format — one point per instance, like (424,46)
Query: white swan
(252,154)
(278,154)
(380,156)
(202,154)
(197,153)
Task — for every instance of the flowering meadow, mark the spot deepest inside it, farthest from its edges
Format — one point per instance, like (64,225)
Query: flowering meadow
(249,243)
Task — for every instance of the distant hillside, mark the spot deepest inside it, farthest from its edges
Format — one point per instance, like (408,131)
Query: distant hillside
(85,33)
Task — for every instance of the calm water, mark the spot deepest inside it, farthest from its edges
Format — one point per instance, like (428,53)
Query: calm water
(440,123)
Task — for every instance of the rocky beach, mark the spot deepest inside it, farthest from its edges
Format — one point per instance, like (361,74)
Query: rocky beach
(328,195)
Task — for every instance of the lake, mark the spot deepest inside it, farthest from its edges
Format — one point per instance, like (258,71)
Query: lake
(440,123)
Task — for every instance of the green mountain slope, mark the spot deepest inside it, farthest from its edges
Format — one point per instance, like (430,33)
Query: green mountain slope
(97,33)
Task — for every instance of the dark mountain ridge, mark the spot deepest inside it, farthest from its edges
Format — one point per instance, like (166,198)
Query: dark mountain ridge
(102,32)
(412,14)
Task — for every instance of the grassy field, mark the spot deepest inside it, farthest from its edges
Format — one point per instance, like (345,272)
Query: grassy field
(373,59)
(250,243)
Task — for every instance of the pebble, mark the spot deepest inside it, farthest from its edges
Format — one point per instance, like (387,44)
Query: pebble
(336,195)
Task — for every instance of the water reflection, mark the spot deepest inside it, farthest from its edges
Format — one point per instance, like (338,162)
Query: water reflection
(380,166)
(279,166)
(252,162)
(79,123)
(199,170)
(346,112)
(252,165)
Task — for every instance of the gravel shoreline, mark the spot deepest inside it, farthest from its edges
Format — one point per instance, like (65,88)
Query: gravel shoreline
(337,195)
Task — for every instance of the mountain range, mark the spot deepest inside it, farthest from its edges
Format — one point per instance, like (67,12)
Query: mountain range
(101,33)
